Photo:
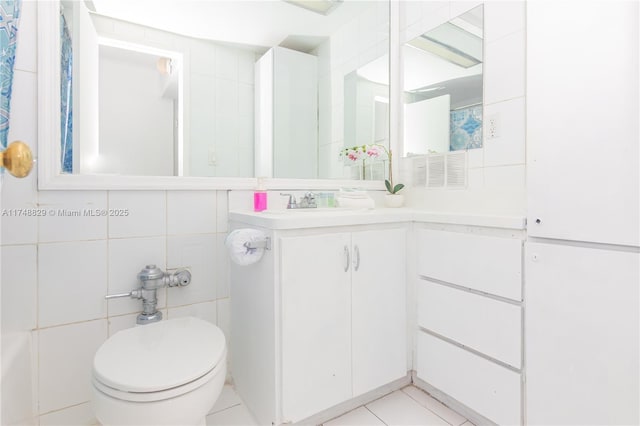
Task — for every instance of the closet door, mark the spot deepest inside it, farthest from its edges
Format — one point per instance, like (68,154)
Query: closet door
(582,333)
(316,323)
(583,118)
(378,308)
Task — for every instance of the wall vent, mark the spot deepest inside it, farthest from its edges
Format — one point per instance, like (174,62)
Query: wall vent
(436,171)
(456,170)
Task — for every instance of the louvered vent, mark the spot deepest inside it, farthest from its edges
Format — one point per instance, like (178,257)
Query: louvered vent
(457,170)
(435,171)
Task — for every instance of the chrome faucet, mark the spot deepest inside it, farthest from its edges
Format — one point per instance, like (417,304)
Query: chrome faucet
(291,204)
(152,278)
(306,202)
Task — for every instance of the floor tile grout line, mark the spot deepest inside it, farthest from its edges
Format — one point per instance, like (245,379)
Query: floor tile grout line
(224,409)
(376,416)
(427,408)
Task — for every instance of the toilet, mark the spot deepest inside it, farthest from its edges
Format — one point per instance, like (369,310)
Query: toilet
(167,373)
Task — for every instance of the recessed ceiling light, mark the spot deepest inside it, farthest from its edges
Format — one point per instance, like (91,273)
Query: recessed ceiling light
(323,7)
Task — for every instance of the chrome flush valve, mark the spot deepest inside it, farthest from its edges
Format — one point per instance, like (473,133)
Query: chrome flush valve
(152,278)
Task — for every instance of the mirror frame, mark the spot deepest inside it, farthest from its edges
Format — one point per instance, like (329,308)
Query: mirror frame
(49,132)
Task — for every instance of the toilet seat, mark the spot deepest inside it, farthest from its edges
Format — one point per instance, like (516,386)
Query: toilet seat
(159,361)
(157,395)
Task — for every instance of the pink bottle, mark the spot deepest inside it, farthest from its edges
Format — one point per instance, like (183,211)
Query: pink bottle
(259,198)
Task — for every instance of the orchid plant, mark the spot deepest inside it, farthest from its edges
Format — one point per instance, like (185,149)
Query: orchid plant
(373,151)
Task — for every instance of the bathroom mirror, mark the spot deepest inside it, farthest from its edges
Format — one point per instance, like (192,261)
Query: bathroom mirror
(168,88)
(442,93)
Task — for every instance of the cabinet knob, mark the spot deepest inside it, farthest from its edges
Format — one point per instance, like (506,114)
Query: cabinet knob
(538,221)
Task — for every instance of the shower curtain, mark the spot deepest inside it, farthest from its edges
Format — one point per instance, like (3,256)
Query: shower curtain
(9,17)
(66,97)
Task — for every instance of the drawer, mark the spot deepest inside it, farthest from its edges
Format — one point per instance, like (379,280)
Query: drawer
(486,325)
(487,388)
(488,264)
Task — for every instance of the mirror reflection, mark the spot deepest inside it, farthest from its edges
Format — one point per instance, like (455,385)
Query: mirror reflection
(225,88)
(443,87)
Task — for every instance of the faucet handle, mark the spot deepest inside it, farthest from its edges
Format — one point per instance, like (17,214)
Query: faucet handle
(310,199)
(292,204)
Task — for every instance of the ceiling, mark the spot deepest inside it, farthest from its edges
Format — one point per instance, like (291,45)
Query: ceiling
(264,23)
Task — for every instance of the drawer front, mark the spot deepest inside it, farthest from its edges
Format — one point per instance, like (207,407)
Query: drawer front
(485,387)
(488,264)
(486,325)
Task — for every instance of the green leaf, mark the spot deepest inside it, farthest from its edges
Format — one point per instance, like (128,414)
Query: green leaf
(388,185)
(397,188)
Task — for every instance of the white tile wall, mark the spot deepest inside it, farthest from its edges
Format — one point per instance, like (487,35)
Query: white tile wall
(205,311)
(126,258)
(122,322)
(19,194)
(509,146)
(19,283)
(504,68)
(505,177)
(144,213)
(66,359)
(222,267)
(57,225)
(198,254)
(191,212)
(85,280)
(502,18)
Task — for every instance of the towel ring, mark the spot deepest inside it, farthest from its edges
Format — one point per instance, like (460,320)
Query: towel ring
(17,159)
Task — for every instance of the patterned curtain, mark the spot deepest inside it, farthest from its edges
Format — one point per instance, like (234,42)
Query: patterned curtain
(66,97)
(9,17)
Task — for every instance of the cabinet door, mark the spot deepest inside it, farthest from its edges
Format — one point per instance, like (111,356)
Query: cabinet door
(582,133)
(582,335)
(379,308)
(316,323)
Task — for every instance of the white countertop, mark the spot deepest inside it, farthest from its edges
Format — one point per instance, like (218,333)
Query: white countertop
(318,218)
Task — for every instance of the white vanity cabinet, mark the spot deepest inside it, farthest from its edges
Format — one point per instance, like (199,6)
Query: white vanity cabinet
(343,317)
(333,300)
(469,318)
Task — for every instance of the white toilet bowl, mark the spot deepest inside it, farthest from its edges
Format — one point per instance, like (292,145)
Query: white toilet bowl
(167,373)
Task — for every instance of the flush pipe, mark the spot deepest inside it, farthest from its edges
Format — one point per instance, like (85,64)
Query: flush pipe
(151,279)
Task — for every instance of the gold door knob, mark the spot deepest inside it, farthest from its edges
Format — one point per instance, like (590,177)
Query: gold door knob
(17,158)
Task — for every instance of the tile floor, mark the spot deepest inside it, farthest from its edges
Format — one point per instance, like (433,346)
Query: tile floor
(409,406)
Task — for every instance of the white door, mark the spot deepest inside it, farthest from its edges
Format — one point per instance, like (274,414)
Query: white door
(316,323)
(378,308)
(581,335)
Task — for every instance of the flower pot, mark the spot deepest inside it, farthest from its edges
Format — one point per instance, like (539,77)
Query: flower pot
(393,200)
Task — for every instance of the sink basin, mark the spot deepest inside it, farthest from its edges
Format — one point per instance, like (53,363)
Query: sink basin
(318,211)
